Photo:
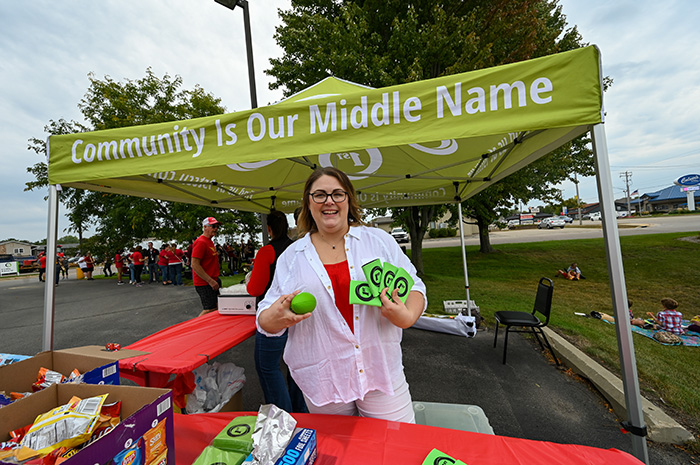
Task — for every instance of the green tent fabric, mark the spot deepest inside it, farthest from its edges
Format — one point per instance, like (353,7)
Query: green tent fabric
(419,143)
(401,145)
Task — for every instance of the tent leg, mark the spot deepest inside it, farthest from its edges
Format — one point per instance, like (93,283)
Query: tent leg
(618,288)
(464,258)
(50,278)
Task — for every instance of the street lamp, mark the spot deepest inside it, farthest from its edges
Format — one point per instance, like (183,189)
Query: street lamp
(231,4)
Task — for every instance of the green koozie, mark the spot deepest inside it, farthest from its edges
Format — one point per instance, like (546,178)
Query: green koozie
(361,294)
(435,457)
(237,436)
(403,282)
(388,275)
(373,272)
(211,455)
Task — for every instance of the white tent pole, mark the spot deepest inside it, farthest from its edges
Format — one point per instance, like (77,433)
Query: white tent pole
(50,276)
(618,289)
(464,252)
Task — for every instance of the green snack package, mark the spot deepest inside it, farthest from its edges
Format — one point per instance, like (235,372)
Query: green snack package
(373,272)
(211,454)
(237,436)
(403,282)
(360,293)
(435,457)
(388,274)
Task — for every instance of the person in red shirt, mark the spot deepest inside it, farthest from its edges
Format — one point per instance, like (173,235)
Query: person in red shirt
(137,258)
(42,266)
(163,263)
(119,263)
(205,266)
(90,266)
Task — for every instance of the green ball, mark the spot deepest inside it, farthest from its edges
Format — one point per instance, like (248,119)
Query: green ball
(303,303)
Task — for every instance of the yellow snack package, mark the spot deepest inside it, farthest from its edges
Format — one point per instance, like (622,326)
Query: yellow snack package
(66,426)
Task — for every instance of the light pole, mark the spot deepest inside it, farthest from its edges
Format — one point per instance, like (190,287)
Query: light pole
(232,4)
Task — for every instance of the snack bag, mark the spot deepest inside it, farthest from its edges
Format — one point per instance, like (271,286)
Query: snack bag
(66,426)
(46,378)
(130,456)
(154,443)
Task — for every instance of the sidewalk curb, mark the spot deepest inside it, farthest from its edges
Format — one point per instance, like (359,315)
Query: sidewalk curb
(662,428)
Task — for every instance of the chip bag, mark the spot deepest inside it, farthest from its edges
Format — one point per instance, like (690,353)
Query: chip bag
(66,426)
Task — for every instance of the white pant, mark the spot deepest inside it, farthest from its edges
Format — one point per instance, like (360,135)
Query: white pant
(376,404)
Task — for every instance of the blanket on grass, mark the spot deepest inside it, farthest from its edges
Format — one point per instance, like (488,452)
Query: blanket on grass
(689,339)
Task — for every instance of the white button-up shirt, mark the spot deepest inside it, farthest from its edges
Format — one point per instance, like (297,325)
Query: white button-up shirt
(330,363)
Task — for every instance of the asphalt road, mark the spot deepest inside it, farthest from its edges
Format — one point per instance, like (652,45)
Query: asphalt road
(589,230)
(527,398)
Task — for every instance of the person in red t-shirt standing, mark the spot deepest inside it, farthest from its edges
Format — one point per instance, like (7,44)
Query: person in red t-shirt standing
(42,266)
(90,266)
(119,264)
(137,258)
(205,266)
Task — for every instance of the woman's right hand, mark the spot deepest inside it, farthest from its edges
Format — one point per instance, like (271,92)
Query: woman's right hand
(279,316)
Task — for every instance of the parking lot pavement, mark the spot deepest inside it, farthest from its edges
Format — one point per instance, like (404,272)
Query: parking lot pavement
(527,398)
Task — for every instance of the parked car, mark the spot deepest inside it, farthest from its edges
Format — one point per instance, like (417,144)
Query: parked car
(595,216)
(513,223)
(400,235)
(552,222)
(567,219)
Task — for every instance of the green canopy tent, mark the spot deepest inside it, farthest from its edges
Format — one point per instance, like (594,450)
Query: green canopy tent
(423,143)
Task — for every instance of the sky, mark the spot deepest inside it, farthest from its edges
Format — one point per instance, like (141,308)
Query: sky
(47,50)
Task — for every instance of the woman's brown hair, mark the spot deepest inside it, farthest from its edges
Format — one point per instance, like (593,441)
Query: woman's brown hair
(306,222)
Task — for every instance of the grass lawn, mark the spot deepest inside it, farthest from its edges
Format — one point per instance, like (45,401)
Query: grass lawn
(656,266)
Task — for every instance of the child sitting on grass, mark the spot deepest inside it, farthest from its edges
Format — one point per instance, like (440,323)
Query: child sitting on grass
(669,319)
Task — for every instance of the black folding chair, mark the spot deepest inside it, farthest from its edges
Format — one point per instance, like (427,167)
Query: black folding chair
(529,322)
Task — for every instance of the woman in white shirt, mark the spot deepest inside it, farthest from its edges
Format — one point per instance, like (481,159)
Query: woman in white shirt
(345,358)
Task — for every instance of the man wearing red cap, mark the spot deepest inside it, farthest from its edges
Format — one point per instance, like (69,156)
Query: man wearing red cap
(205,265)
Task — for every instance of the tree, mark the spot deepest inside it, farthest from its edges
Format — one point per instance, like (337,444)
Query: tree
(121,220)
(388,42)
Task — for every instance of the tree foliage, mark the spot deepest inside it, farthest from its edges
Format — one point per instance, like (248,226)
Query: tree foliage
(122,220)
(388,42)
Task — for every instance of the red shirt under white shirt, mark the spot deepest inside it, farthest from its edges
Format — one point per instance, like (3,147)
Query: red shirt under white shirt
(205,250)
(330,362)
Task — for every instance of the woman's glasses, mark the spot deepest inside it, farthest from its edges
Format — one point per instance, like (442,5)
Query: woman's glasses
(338,196)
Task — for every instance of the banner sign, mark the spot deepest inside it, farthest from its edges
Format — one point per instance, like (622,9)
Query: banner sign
(7,268)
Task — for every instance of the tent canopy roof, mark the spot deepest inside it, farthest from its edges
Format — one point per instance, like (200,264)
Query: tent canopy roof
(419,143)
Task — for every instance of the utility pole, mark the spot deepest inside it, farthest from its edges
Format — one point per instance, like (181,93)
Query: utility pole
(628,176)
(578,201)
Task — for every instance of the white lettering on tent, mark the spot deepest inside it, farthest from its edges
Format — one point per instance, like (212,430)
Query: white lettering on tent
(539,86)
(478,103)
(166,138)
(497,93)
(74,157)
(198,141)
(411,104)
(387,111)
(128,144)
(507,95)
(144,145)
(382,107)
(455,105)
(175,138)
(232,137)
(106,146)
(89,154)
(317,118)
(261,121)
(360,110)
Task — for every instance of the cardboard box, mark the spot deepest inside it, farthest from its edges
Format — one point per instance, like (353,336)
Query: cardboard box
(142,409)
(235,403)
(237,305)
(97,365)
(301,450)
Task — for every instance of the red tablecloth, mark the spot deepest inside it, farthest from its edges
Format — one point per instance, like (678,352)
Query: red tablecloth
(355,440)
(183,347)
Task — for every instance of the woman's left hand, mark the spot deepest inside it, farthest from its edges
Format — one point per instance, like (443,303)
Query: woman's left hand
(400,314)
